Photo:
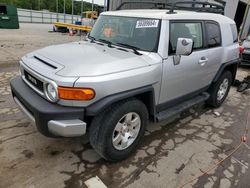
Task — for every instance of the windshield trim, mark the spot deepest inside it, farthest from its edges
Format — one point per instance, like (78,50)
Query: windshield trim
(155,48)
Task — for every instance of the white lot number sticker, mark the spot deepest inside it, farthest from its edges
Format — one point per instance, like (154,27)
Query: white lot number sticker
(147,23)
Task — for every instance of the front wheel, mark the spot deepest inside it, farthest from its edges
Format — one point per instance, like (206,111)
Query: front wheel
(220,89)
(117,132)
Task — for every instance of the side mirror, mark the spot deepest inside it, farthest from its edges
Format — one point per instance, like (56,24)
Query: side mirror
(184,46)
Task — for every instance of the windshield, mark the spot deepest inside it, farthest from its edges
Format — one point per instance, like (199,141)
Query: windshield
(140,33)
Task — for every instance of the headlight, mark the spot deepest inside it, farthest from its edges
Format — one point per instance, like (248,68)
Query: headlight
(51,92)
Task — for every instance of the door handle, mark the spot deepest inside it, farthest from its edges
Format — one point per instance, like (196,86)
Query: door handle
(203,61)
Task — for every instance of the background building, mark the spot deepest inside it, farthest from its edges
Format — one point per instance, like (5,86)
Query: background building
(234,9)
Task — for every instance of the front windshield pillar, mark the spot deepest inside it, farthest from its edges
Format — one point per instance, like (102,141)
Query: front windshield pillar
(163,48)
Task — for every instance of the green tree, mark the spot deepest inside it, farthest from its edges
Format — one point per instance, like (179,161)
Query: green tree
(51,5)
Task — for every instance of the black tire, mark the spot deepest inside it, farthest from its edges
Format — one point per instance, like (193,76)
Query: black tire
(243,86)
(103,125)
(214,89)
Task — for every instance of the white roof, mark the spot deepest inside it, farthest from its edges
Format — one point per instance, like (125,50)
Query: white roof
(163,14)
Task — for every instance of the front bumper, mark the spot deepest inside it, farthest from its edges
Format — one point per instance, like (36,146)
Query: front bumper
(50,119)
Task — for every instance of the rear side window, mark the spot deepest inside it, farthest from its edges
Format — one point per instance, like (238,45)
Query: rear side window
(213,35)
(234,32)
(185,30)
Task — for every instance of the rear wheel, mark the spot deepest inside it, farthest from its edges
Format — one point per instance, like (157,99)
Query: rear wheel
(219,90)
(117,132)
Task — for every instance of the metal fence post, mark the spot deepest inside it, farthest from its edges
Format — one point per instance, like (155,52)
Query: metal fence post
(64,10)
(31,16)
(72,11)
(42,17)
(57,18)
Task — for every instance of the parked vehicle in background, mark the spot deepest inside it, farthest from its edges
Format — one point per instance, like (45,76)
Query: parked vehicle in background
(135,66)
(245,57)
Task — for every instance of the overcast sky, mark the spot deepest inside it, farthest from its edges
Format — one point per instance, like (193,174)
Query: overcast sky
(99,2)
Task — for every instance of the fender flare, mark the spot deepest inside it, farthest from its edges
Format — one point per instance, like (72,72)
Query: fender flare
(224,66)
(100,105)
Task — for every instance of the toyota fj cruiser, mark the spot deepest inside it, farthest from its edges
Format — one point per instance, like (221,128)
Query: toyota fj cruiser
(134,66)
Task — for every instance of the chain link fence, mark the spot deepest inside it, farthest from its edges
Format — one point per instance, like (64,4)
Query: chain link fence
(46,17)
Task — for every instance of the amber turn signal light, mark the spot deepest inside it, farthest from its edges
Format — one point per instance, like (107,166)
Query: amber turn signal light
(68,93)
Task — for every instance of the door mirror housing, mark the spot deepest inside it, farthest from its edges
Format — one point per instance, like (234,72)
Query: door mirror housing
(184,46)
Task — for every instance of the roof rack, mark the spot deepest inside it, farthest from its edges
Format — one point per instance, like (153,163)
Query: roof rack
(157,5)
(195,6)
(222,2)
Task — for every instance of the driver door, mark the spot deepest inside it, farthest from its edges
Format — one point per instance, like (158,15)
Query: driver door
(181,80)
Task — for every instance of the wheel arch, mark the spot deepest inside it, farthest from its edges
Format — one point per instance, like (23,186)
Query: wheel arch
(230,66)
(144,94)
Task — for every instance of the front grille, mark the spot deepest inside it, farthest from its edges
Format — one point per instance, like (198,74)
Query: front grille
(34,81)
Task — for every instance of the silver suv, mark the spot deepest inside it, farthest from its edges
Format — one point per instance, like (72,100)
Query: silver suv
(134,66)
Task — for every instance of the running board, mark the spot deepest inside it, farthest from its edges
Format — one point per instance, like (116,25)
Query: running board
(172,111)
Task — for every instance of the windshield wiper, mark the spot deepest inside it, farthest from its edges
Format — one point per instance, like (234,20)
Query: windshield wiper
(106,41)
(91,38)
(135,49)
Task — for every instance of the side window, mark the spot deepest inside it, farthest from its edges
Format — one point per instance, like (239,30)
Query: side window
(185,30)
(234,32)
(213,34)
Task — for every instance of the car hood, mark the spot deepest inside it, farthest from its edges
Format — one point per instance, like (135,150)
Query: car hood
(89,59)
